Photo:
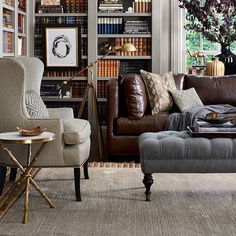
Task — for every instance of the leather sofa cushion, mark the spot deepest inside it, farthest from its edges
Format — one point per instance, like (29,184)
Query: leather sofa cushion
(135,96)
(76,131)
(148,123)
(213,90)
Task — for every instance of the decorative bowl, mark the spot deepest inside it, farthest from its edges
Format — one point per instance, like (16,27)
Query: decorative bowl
(31,132)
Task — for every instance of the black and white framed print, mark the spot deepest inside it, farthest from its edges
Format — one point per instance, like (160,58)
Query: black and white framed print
(62,46)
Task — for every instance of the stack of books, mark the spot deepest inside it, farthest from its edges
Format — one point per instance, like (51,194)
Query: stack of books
(136,27)
(110,6)
(205,127)
(50,90)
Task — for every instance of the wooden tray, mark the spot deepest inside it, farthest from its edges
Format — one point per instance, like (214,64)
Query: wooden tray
(211,134)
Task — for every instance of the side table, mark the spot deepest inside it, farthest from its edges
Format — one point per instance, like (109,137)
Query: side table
(17,138)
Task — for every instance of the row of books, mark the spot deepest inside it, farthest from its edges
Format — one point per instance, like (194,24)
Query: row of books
(21,23)
(110,25)
(84,47)
(75,6)
(102,89)
(50,90)
(134,66)
(9,2)
(78,88)
(108,68)
(142,6)
(142,45)
(40,21)
(66,72)
(136,27)
(8,42)
(110,6)
(7,18)
(22,5)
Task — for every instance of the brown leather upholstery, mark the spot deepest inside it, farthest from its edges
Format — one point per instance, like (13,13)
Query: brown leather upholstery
(148,123)
(135,96)
(213,90)
(123,132)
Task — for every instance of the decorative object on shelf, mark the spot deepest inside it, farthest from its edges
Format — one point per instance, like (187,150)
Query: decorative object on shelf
(50,2)
(62,44)
(196,55)
(107,49)
(215,20)
(215,68)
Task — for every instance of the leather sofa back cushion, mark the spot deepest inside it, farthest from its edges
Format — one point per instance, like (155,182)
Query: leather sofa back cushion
(213,90)
(135,96)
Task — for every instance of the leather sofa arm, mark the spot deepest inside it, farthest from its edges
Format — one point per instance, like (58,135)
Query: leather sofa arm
(112,104)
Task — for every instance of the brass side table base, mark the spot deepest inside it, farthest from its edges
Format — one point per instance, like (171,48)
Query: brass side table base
(27,178)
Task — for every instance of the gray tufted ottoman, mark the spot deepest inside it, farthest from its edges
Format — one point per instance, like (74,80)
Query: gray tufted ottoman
(172,151)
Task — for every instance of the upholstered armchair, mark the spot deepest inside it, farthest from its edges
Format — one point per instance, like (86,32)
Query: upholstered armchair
(22,76)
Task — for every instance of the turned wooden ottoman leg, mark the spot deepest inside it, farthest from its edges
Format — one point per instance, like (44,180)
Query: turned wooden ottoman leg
(148,181)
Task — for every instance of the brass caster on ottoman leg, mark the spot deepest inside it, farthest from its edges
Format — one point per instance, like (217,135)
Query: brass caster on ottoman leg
(148,181)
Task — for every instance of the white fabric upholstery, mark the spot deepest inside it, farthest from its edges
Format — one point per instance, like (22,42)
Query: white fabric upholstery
(17,76)
(76,131)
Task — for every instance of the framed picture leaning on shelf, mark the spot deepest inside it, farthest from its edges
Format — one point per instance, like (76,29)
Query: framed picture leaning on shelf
(62,46)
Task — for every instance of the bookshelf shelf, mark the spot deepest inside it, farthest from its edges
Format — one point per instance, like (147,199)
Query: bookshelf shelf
(64,78)
(102,99)
(58,99)
(8,29)
(22,12)
(8,7)
(59,14)
(128,57)
(104,78)
(124,14)
(124,35)
(8,54)
(22,35)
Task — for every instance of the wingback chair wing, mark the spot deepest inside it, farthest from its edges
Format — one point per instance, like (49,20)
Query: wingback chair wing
(71,147)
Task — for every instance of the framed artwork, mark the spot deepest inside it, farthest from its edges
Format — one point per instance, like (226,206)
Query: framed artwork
(62,46)
(50,2)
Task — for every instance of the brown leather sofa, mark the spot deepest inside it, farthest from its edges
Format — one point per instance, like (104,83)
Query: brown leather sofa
(123,128)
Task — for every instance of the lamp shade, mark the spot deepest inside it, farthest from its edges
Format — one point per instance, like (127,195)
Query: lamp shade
(128,47)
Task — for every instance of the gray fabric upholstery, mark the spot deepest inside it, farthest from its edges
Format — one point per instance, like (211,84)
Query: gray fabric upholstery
(172,151)
(16,76)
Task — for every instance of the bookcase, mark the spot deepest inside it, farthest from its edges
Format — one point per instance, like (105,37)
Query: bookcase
(13,28)
(98,27)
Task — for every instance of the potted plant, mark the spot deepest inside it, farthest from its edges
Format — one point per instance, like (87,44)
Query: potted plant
(216,21)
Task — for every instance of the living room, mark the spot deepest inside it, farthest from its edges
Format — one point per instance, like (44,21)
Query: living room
(118,117)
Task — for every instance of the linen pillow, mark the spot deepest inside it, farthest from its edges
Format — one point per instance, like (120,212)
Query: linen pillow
(186,99)
(35,105)
(158,87)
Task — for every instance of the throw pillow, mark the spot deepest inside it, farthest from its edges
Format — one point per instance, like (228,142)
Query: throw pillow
(135,96)
(35,105)
(186,99)
(158,87)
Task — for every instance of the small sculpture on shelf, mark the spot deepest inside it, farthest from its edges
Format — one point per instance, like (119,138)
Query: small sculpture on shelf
(198,63)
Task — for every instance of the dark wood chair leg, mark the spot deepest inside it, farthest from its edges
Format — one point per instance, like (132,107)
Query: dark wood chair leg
(3,172)
(148,181)
(77,184)
(86,175)
(13,174)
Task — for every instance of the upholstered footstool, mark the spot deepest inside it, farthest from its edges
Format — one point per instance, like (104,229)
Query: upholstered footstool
(172,151)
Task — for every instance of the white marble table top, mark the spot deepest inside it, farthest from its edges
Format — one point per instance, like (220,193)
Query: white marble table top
(16,137)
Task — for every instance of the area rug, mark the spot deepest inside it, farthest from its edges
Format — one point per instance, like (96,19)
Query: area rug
(113,204)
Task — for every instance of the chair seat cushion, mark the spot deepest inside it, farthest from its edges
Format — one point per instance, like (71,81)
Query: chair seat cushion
(76,131)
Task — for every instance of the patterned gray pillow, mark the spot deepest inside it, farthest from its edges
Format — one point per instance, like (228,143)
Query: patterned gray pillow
(186,99)
(35,105)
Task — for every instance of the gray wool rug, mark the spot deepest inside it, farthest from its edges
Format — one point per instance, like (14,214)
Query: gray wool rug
(113,204)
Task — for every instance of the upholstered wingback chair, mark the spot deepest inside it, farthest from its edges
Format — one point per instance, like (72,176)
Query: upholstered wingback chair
(72,144)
